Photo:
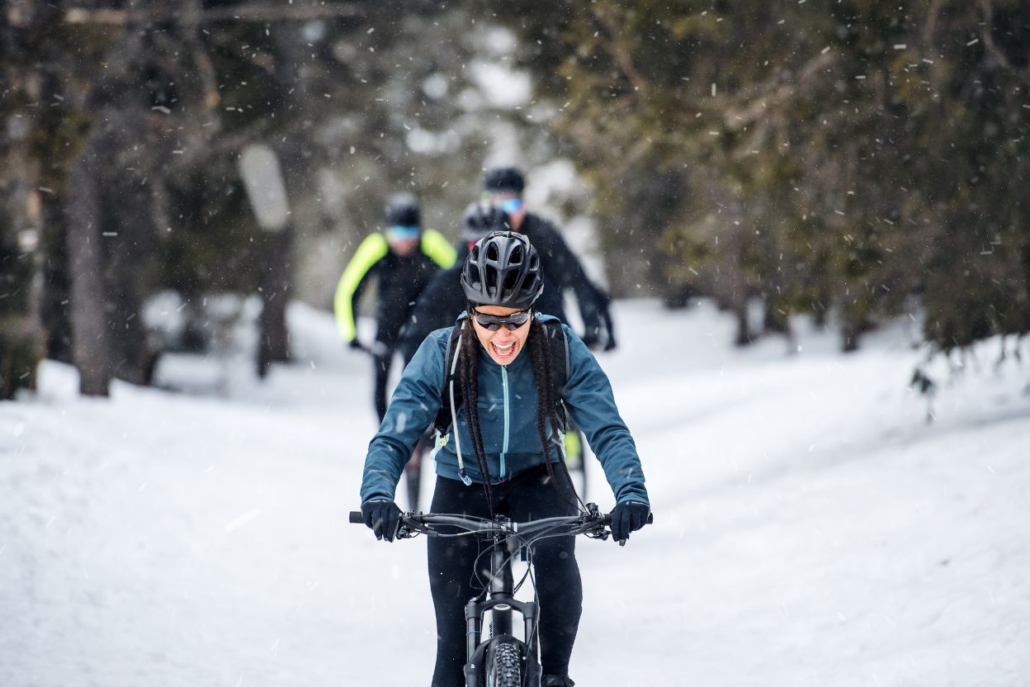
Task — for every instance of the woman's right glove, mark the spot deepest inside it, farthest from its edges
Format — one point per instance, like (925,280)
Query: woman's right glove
(382,516)
(628,516)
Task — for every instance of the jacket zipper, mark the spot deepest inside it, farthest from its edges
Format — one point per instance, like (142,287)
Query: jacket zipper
(507,416)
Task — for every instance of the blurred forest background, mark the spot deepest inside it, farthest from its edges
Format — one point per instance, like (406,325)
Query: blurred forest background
(854,160)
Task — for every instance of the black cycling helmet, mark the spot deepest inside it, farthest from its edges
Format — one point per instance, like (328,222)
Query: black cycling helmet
(502,269)
(482,218)
(504,180)
(402,211)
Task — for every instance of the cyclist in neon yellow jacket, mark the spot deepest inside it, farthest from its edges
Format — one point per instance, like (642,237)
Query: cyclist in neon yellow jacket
(403,259)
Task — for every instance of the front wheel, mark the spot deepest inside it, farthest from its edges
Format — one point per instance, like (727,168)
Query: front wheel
(504,666)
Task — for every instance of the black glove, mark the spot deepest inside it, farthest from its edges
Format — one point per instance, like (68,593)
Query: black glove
(609,344)
(628,516)
(607,326)
(603,330)
(356,345)
(592,338)
(382,517)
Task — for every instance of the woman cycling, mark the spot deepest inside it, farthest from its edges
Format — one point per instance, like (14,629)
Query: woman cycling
(502,451)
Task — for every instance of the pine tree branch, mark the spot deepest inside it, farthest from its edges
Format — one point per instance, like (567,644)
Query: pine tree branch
(619,52)
(773,96)
(988,36)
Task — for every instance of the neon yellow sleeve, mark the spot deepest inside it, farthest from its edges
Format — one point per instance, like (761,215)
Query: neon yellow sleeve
(437,248)
(371,251)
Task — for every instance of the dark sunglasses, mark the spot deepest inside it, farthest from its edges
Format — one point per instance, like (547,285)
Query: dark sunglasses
(512,322)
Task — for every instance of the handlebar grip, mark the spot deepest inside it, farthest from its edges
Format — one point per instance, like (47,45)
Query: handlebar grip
(356,518)
(607,519)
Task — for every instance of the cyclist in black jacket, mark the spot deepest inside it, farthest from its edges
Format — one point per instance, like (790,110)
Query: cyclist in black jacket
(505,185)
(403,259)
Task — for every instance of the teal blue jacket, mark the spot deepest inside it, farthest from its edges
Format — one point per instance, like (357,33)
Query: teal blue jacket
(507,419)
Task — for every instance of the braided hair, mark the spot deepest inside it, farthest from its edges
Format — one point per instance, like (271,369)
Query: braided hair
(546,408)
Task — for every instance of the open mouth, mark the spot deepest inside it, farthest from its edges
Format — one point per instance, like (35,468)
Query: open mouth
(503,350)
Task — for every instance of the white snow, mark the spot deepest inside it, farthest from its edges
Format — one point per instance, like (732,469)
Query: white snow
(810,527)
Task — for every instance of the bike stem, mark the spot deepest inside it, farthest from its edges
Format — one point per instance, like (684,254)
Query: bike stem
(501,585)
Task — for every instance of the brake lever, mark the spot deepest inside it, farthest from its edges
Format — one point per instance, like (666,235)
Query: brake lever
(407,530)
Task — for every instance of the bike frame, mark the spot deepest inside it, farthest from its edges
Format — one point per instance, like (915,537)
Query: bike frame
(500,601)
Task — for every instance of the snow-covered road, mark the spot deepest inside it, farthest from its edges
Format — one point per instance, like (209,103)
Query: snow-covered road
(811,528)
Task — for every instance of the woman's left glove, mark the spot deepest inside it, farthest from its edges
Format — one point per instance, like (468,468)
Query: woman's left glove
(628,516)
(382,516)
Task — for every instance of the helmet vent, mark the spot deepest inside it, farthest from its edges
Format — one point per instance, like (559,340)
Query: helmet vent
(511,280)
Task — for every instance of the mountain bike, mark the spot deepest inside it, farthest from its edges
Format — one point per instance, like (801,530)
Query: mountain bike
(502,659)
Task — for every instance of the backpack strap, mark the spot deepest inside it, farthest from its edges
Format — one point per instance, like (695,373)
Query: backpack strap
(450,390)
(451,397)
(559,345)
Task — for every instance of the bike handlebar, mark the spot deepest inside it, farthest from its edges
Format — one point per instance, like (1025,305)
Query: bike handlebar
(592,523)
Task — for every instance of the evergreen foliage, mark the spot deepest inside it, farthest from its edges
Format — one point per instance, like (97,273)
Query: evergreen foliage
(835,158)
(852,160)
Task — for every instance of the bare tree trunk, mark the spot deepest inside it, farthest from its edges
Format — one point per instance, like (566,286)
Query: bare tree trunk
(850,337)
(56,287)
(91,346)
(274,338)
(855,324)
(775,319)
(744,336)
(277,275)
(128,222)
(58,149)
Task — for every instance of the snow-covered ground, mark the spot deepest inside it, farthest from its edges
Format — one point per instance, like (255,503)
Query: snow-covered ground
(811,528)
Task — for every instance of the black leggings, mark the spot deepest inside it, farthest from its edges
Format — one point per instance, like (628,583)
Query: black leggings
(529,496)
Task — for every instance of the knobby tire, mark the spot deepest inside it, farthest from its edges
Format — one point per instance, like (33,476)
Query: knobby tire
(505,666)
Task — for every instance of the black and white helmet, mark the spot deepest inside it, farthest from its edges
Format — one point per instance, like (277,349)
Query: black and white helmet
(402,210)
(503,268)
